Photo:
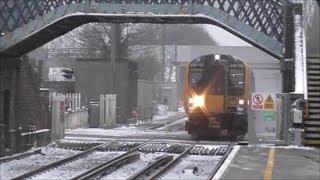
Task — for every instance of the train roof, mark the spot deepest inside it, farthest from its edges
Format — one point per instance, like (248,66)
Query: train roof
(213,57)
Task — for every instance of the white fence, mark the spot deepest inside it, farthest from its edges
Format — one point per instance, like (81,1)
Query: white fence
(108,110)
(73,101)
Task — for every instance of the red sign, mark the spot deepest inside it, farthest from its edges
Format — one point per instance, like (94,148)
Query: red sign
(257,100)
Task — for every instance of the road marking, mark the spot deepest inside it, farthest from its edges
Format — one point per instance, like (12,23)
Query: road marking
(270,163)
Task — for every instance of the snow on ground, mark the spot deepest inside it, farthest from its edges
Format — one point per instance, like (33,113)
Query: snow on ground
(130,169)
(48,155)
(161,117)
(174,125)
(193,167)
(210,147)
(123,133)
(165,117)
(281,147)
(74,168)
(85,139)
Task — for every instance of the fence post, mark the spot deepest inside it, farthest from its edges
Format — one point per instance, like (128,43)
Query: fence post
(113,105)
(101,111)
(57,113)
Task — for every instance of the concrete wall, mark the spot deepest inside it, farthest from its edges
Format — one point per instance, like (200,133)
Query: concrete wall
(94,77)
(59,86)
(149,91)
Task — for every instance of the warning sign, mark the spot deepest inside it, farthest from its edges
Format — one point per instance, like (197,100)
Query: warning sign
(257,101)
(269,103)
(263,101)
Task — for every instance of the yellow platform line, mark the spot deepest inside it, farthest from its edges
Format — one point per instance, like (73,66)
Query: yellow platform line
(270,164)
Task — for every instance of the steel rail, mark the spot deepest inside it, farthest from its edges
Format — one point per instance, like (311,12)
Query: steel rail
(115,161)
(59,162)
(20,156)
(221,161)
(171,164)
(161,161)
(114,164)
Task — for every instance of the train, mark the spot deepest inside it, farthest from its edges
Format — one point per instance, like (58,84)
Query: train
(216,95)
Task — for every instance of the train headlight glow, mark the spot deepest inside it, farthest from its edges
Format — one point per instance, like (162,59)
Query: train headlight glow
(197,101)
(241,102)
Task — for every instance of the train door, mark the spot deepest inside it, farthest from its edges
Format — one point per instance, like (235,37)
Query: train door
(215,93)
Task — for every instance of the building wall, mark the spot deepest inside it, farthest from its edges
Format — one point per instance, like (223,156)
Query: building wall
(94,77)
(59,86)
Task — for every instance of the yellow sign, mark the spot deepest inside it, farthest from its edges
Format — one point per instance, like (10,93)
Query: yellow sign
(269,103)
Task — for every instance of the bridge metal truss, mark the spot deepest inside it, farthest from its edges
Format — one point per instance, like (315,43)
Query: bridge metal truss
(170,62)
(25,25)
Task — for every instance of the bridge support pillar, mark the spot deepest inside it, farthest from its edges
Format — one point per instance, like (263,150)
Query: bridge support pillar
(287,71)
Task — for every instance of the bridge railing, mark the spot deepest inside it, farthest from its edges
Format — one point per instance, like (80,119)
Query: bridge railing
(265,16)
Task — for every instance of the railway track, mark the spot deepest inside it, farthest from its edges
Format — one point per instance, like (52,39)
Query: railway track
(166,125)
(133,160)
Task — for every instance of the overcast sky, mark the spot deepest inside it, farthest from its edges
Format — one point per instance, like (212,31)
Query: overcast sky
(223,37)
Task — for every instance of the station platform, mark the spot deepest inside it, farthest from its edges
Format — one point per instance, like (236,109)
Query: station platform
(273,162)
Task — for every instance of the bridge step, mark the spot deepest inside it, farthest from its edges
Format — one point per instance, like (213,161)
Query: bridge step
(314,94)
(312,142)
(311,88)
(308,122)
(313,60)
(312,123)
(313,135)
(312,129)
(314,83)
(313,65)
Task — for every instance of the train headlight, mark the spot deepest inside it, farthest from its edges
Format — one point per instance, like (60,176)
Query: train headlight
(197,101)
(241,102)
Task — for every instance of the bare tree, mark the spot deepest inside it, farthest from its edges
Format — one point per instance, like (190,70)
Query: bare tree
(93,40)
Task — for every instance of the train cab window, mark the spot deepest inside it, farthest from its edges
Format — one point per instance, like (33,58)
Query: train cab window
(236,81)
(217,81)
(198,79)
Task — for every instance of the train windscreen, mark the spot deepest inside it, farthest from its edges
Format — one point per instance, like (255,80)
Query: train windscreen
(210,77)
(236,81)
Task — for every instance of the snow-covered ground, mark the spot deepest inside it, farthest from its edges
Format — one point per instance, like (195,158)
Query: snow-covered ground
(179,124)
(136,131)
(74,168)
(126,132)
(48,155)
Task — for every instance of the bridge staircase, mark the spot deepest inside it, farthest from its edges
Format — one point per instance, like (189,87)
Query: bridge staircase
(312,122)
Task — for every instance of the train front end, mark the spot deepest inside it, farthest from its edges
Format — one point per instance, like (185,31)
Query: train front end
(216,95)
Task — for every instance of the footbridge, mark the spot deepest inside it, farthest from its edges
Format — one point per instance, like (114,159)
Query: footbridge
(25,25)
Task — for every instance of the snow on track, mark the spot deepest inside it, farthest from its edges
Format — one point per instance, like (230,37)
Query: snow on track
(130,169)
(193,167)
(74,168)
(48,155)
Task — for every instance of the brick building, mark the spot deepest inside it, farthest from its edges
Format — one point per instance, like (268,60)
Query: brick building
(22,107)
